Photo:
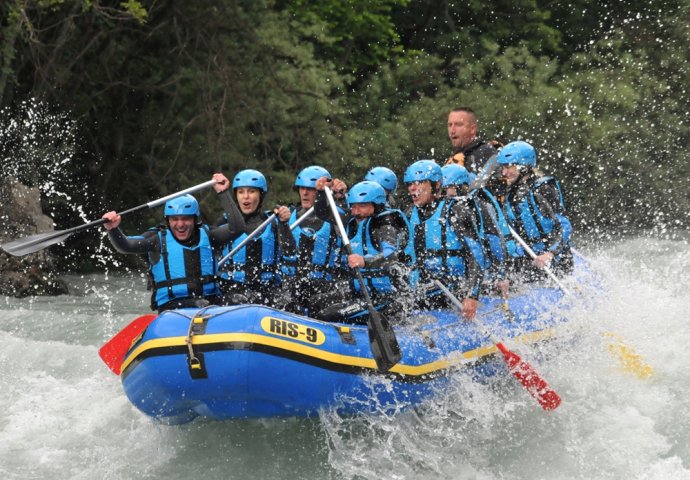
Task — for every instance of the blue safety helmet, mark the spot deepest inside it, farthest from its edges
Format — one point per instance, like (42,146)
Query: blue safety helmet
(308,176)
(422,170)
(472,177)
(518,153)
(184,205)
(454,174)
(383,176)
(250,178)
(367,192)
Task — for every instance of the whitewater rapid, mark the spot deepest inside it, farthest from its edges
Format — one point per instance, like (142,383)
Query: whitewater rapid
(65,416)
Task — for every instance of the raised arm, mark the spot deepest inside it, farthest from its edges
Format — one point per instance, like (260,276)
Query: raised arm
(321,208)
(235,221)
(144,243)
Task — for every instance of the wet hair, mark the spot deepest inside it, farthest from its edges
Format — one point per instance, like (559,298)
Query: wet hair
(467,110)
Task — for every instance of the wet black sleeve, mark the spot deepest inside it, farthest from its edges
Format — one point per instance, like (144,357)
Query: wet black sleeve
(288,246)
(388,238)
(144,243)
(483,154)
(235,222)
(323,211)
(550,195)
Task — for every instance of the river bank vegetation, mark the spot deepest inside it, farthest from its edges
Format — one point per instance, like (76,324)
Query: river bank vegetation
(163,93)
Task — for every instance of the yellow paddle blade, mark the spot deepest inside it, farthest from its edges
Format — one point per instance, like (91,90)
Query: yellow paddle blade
(630,361)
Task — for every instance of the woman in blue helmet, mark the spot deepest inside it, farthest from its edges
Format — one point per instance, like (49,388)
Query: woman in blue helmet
(534,207)
(311,264)
(498,244)
(182,252)
(379,238)
(253,272)
(387,179)
(446,237)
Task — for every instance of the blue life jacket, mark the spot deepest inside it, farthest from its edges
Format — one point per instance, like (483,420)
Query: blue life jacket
(362,243)
(256,262)
(501,223)
(527,215)
(173,275)
(444,251)
(317,251)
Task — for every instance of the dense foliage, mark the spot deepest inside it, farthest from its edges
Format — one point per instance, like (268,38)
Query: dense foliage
(166,92)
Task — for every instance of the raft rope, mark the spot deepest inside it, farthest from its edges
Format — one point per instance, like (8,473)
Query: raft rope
(195,360)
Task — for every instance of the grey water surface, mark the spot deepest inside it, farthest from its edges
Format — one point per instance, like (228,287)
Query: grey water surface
(64,415)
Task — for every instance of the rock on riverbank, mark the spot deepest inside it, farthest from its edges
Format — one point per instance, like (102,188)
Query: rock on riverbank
(21,215)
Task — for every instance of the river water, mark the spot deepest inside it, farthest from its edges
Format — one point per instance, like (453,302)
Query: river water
(65,416)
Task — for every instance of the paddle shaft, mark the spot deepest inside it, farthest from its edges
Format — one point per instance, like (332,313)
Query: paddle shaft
(458,304)
(306,215)
(532,254)
(348,247)
(630,359)
(36,242)
(485,174)
(521,370)
(258,230)
(249,238)
(382,340)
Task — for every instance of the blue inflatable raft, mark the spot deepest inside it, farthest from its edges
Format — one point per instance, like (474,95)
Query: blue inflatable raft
(251,361)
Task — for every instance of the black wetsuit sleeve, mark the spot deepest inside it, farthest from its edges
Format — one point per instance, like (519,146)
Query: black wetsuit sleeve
(288,246)
(483,154)
(235,222)
(323,211)
(491,229)
(549,193)
(388,238)
(462,222)
(144,243)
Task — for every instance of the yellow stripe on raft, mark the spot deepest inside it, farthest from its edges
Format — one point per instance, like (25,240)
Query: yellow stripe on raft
(451,360)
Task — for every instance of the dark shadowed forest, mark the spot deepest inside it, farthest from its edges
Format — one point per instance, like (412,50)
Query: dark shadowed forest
(133,100)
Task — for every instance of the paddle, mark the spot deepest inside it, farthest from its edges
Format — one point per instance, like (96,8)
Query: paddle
(249,238)
(304,216)
(39,241)
(114,351)
(382,341)
(523,371)
(629,359)
(485,174)
(531,253)
(258,230)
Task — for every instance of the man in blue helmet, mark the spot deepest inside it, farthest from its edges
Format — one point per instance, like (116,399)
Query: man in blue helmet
(312,262)
(534,207)
(385,177)
(493,228)
(379,238)
(253,271)
(446,237)
(182,252)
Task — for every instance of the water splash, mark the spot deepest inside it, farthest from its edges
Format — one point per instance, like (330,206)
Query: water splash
(40,146)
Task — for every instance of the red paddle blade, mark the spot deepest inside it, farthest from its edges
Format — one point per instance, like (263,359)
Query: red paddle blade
(114,351)
(530,379)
